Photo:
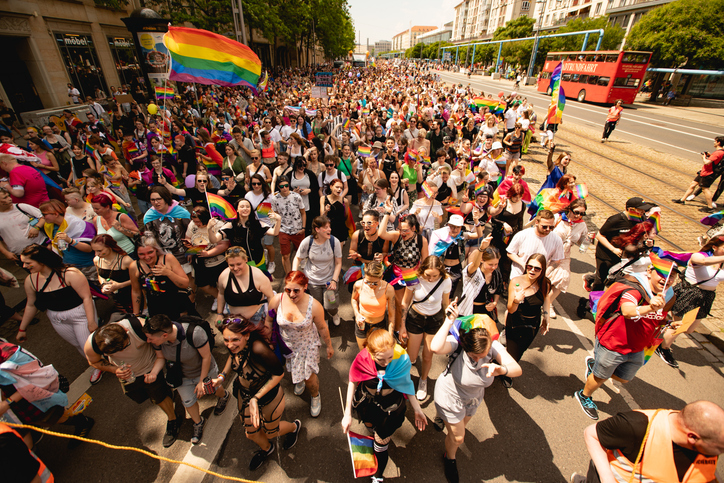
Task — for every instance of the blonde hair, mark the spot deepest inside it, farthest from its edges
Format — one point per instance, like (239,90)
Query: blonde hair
(375,269)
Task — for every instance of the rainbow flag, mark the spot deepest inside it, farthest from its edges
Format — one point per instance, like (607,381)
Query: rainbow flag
(409,276)
(262,211)
(364,151)
(558,97)
(427,190)
(349,221)
(475,321)
(219,206)
(207,58)
(264,83)
(365,111)
(581,191)
(678,257)
(89,149)
(164,92)
(712,219)
(655,218)
(195,250)
(424,160)
(633,216)
(354,273)
(550,199)
(494,105)
(346,124)
(662,267)
(479,187)
(153,285)
(361,448)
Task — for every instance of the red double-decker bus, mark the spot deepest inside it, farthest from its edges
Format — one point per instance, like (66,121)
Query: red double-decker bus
(602,76)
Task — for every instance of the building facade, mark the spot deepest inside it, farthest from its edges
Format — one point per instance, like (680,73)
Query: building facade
(382,46)
(503,11)
(443,34)
(626,13)
(553,14)
(471,20)
(408,38)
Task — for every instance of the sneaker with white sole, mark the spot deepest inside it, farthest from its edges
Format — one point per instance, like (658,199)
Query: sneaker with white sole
(589,407)
(299,388)
(316,406)
(421,390)
(260,456)
(271,266)
(291,438)
(667,357)
(221,403)
(198,431)
(214,305)
(576,478)
(96,376)
(335,319)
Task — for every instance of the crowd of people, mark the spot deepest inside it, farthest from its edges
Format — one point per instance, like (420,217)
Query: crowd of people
(415,185)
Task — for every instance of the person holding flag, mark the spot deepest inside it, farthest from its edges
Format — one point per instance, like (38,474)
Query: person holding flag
(555,110)
(630,314)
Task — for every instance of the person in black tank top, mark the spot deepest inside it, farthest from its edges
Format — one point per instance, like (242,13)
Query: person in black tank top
(161,278)
(63,292)
(366,245)
(112,265)
(247,302)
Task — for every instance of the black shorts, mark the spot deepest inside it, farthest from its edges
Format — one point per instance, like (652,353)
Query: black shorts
(706,181)
(139,391)
(417,323)
(362,334)
(207,276)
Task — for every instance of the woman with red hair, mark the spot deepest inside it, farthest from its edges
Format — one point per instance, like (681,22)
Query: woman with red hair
(301,323)
(118,225)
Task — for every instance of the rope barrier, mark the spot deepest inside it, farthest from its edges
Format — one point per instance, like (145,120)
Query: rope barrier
(127,448)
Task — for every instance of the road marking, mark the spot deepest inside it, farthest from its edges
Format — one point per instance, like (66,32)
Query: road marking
(81,384)
(629,117)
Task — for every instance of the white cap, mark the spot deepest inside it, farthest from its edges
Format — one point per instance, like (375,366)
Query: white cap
(455,220)
(497,145)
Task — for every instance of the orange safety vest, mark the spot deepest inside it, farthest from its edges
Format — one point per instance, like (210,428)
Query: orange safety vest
(43,472)
(614,114)
(657,463)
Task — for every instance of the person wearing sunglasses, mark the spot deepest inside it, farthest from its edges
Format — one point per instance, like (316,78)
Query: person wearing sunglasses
(528,294)
(294,217)
(197,194)
(373,303)
(536,239)
(302,326)
(256,167)
(572,230)
(258,387)
(243,287)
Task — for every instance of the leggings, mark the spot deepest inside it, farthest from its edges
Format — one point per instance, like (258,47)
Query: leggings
(71,325)
(608,128)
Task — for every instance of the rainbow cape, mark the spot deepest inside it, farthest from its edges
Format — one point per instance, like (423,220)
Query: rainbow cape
(164,92)
(474,321)
(207,58)
(712,219)
(349,220)
(662,267)
(397,372)
(361,448)
(220,207)
(558,97)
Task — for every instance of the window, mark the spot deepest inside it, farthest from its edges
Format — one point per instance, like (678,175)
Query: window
(593,79)
(598,9)
(590,58)
(626,82)
(545,75)
(583,79)
(525,6)
(612,58)
(566,77)
(124,56)
(575,77)
(603,81)
(81,62)
(630,58)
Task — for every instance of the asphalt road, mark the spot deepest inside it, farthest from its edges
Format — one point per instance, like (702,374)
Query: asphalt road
(640,123)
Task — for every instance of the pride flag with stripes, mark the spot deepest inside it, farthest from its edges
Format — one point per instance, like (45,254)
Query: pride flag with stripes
(662,267)
(362,451)
(427,190)
(207,58)
(219,206)
(494,105)
(164,92)
(364,151)
(558,97)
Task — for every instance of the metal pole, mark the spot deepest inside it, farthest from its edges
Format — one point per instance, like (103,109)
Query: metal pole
(585,42)
(243,27)
(237,32)
(457,52)
(600,39)
(500,51)
(473,61)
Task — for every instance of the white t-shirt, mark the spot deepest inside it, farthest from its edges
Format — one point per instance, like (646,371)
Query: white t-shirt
(433,304)
(526,243)
(14,228)
(324,179)
(510,117)
(320,264)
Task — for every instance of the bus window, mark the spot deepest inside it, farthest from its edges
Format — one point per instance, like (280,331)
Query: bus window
(593,79)
(612,58)
(590,58)
(599,58)
(630,58)
(571,57)
(583,79)
(545,75)
(549,57)
(566,77)
(603,81)
(575,77)
(626,82)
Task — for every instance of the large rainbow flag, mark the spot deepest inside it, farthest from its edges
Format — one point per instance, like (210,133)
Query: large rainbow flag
(362,450)
(207,58)
(558,97)
(494,105)
(220,207)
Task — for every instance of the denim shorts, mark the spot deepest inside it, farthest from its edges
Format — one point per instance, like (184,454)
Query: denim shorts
(187,389)
(267,240)
(608,363)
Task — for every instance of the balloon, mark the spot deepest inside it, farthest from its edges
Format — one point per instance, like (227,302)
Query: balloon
(152,109)
(190,181)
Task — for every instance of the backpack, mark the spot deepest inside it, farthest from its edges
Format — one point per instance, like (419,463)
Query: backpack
(194,322)
(611,312)
(135,326)
(332,241)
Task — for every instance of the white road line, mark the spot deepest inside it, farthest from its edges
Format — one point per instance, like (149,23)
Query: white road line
(629,117)
(215,433)
(81,384)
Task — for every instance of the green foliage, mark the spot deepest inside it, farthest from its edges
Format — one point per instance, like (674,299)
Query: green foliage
(426,51)
(113,4)
(682,33)
(515,29)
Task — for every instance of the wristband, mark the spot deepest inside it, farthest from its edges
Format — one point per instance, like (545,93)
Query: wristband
(506,369)
(21,330)
(222,377)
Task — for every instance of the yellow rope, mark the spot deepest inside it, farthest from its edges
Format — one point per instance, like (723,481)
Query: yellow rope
(641,450)
(127,448)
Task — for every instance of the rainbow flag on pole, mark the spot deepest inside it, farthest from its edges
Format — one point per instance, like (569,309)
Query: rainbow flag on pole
(662,267)
(262,211)
(219,206)
(494,105)
(164,92)
(558,97)
(427,190)
(364,151)
(361,448)
(207,58)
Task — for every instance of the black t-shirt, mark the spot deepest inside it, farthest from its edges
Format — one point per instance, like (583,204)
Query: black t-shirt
(435,140)
(187,154)
(614,226)
(236,194)
(197,197)
(17,464)
(381,139)
(625,432)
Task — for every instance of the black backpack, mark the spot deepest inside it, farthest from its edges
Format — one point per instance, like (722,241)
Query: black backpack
(194,322)
(135,325)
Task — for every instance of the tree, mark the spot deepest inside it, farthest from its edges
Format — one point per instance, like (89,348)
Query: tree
(682,33)
(516,52)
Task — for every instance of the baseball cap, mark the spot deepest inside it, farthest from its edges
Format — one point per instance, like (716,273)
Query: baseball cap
(497,145)
(455,220)
(446,139)
(639,204)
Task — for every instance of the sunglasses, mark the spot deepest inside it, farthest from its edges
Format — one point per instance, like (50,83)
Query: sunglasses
(292,290)
(230,321)
(367,223)
(533,268)
(255,157)
(329,165)
(256,184)
(580,213)
(371,284)
(202,180)
(546,227)
(283,186)
(234,250)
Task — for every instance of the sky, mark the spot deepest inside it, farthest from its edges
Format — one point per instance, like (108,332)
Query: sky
(382,19)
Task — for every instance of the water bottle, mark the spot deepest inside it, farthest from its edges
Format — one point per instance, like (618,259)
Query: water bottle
(132,378)
(330,297)
(61,244)
(586,242)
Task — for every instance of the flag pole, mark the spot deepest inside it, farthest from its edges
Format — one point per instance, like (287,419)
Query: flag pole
(349,441)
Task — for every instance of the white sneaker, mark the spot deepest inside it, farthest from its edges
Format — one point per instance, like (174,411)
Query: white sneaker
(690,197)
(299,388)
(335,319)
(96,376)
(270,267)
(421,390)
(576,478)
(316,406)
(214,305)
(553,313)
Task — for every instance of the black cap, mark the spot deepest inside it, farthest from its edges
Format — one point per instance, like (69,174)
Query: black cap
(639,204)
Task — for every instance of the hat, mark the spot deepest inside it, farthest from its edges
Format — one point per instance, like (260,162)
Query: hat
(639,204)
(497,145)
(377,145)
(446,139)
(455,220)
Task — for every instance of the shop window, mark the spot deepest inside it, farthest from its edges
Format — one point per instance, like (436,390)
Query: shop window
(81,62)
(124,55)
(626,82)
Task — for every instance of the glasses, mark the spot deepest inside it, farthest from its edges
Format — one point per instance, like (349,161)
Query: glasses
(225,178)
(367,223)
(329,165)
(256,184)
(371,284)
(580,213)
(152,200)
(546,227)
(533,268)
(230,321)
(292,290)
(202,180)
(283,186)
(255,157)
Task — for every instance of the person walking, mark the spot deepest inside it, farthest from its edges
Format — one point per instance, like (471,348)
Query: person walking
(614,115)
